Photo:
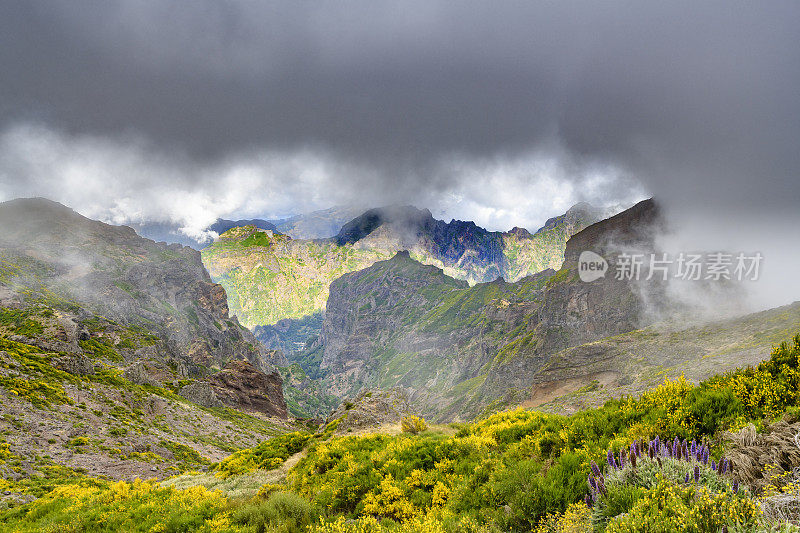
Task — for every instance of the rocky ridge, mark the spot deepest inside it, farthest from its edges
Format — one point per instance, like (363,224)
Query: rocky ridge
(461,348)
(270,277)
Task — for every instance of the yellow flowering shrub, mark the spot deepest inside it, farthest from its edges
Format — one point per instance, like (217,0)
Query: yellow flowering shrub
(576,519)
(413,424)
(268,455)
(389,501)
(95,505)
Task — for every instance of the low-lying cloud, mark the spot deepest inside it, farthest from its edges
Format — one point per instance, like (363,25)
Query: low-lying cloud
(130,181)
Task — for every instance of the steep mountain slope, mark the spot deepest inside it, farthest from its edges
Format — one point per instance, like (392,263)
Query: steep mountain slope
(628,364)
(270,277)
(118,356)
(461,348)
(71,284)
(400,323)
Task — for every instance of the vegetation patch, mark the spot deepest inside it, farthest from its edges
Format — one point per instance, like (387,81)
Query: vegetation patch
(266,456)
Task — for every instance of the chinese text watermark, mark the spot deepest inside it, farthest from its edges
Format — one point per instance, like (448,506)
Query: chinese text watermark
(713,266)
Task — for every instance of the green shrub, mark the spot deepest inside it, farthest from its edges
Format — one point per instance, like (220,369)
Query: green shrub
(282,512)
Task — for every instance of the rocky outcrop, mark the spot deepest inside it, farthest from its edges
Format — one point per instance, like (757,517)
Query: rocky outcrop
(201,393)
(242,386)
(76,364)
(138,373)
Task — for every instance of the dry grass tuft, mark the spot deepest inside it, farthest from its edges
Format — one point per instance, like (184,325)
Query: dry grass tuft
(750,452)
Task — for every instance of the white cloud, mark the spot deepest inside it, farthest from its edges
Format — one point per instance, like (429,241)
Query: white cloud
(127,180)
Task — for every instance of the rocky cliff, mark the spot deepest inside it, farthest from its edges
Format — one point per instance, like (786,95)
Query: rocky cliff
(82,286)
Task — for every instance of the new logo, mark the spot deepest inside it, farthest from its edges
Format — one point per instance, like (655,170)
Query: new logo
(591,266)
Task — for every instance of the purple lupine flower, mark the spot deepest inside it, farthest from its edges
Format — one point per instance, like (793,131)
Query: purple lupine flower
(696,473)
(657,441)
(726,466)
(735,487)
(693,449)
(713,465)
(610,459)
(595,469)
(686,479)
(621,459)
(705,455)
(590,481)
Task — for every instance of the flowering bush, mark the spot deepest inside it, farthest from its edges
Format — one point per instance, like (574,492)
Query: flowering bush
(413,424)
(266,456)
(666,486)
(95,505)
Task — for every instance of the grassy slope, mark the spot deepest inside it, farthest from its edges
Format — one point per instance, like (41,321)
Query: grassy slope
(103,424)
(639,360)
(513,471)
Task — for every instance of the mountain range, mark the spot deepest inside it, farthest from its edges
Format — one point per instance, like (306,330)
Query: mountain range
(120,355)
(270,276)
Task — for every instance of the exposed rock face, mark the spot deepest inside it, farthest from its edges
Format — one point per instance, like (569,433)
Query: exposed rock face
(371,409)
(242,386)
(272,277)
(201,393)
(458,348)
(111,271)
(138,373)
(77,364)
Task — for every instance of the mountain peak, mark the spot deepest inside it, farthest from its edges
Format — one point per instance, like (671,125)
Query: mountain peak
(406,217)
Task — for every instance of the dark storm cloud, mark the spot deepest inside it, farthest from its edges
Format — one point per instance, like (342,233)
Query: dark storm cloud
(698,99)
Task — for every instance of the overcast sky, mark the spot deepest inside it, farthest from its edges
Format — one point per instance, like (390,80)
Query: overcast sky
(505,113)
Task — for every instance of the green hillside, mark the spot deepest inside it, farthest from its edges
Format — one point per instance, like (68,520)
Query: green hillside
(709,457)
